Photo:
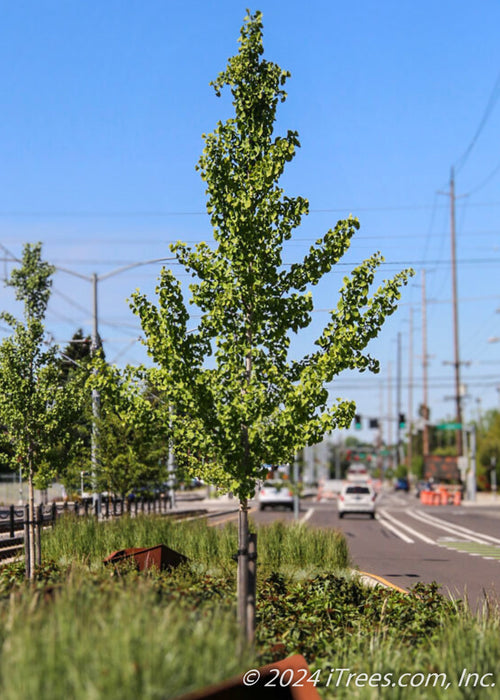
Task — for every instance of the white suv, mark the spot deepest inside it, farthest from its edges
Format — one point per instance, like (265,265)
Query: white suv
(275,492)
(357,498)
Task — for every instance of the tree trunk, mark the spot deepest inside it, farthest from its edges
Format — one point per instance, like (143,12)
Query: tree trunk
(252,586)
(242,580)
(31,522)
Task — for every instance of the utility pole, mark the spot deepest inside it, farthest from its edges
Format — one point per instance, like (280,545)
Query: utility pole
(171,467)
(456,363)
(95,344)
(380,459)
(389,410)
(459,433)
(296,501)
(398,403)
(425,364)
(410,397)
(96,401)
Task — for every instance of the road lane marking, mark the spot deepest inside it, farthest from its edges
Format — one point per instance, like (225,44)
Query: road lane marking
(307,515)
(485,551)
(409,529)
(454,529)
(387,524)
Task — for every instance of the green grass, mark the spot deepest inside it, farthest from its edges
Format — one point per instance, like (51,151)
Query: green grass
(86,541)
(101,639)
(107,633)
(464,642)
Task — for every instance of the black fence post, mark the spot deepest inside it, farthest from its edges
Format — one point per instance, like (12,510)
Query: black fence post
(38,531)
(252,582)
(27,560)
(12,530)
(53,514)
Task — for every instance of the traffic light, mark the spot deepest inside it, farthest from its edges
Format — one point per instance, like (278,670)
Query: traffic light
(373,423)
(357,422)
(402,420)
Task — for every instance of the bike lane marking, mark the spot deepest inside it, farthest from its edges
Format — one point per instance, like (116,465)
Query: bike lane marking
(394,530)
(453,529)
(409,529)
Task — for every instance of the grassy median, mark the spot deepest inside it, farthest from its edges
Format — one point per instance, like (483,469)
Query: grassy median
(85,631)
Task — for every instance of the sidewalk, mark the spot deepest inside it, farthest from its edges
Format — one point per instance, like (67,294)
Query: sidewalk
(189,500)
(484,499)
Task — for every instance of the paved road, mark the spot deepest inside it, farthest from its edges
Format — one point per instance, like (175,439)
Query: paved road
(457,546)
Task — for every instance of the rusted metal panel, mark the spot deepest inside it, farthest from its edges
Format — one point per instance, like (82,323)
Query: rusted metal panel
(159,556)
(280,677)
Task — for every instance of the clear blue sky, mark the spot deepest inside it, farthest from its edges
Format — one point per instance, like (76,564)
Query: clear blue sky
(102,109)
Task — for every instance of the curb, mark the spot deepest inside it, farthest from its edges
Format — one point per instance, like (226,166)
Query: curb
(375,580)
(208,515)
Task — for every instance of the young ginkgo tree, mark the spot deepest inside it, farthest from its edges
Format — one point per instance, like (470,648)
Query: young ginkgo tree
(238,399)
(37,408)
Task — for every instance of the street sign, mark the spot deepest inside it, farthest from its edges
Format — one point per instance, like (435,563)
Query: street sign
(449,426)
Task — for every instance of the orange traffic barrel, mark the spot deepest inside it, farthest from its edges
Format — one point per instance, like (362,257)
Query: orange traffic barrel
(444,496)
(427,497)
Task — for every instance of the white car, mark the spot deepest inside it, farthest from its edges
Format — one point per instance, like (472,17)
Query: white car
(357,498)
(275,492)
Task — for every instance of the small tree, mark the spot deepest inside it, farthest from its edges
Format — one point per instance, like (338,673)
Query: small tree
(488,448)
(36,410)
(133,442)
(238,400)
(74,368)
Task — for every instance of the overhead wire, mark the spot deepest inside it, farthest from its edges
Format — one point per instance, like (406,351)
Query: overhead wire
(487,179)
(166,213)
(495,94)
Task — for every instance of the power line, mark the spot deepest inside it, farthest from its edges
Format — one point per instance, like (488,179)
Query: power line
(71,302)
(420,263)
(487,179)
(495,94)
(165,213)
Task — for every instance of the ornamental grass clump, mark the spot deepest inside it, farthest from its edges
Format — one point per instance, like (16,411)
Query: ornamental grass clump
(281,547)
(120,638)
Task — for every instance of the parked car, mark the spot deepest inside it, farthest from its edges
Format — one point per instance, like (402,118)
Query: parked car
(275,492)
(402,485)
(330,489)
(357,498)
